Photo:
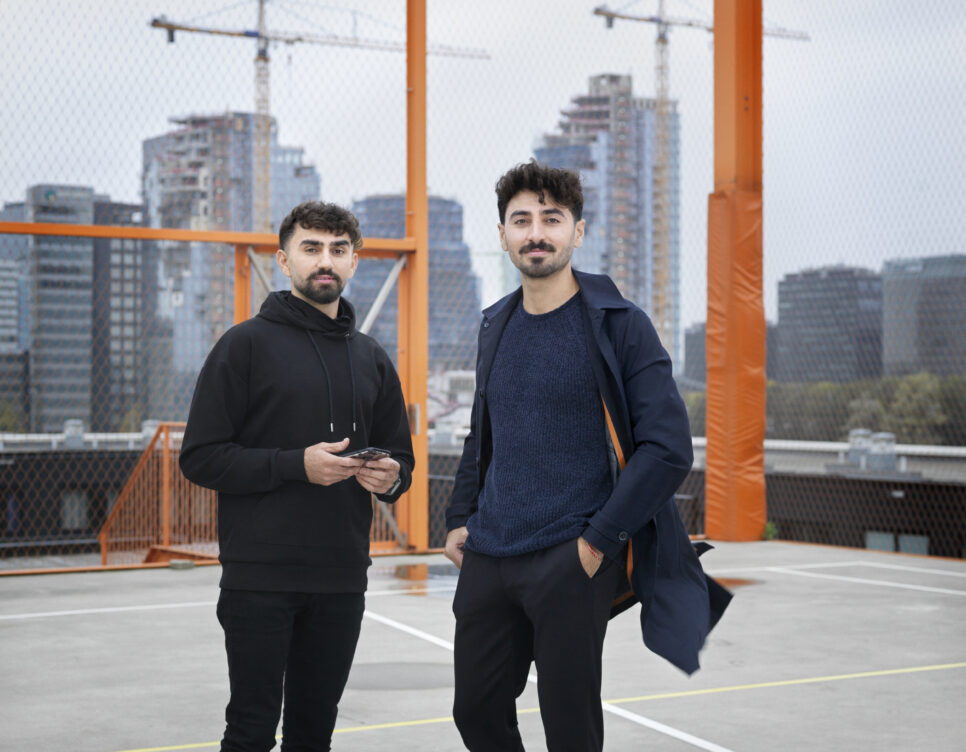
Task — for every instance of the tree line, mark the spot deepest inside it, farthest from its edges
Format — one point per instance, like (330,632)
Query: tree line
(919,409)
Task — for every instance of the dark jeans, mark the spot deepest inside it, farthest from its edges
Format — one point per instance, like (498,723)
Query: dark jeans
(539,607)
(299,645)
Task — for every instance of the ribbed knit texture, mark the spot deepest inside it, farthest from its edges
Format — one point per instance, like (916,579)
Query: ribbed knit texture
(549,471)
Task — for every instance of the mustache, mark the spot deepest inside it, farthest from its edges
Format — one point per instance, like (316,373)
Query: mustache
(327,273)
(541,246)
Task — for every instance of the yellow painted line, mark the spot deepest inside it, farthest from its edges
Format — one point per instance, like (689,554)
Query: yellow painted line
(791,682)
(202,745)
(400,724)
(641,698)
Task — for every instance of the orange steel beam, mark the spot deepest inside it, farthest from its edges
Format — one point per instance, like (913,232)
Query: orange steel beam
(735,335)
(413,514)
(262,242)
(138,233)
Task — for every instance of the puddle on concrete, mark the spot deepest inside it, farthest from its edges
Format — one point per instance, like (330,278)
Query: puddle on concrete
(426,571)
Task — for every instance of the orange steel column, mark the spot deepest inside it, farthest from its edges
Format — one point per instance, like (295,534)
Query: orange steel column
(735,338)
(166,486)
(413,515)
(243,284)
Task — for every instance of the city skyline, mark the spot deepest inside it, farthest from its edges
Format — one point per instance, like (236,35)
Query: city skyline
(861,150)
(847,324)
(609,134)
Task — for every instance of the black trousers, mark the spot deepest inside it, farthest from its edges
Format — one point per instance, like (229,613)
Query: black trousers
(293,645)
(539,607)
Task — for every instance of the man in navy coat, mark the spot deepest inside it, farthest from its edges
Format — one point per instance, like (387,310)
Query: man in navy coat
(543,510)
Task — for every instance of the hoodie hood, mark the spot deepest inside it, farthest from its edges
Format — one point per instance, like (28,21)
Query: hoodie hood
(284,308)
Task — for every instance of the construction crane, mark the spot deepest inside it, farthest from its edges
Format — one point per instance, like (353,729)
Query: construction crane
(662,304)
(262,220)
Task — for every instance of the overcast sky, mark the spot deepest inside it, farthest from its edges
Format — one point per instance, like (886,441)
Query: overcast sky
(865,157)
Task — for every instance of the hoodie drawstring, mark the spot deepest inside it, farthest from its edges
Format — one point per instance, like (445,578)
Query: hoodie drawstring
(352,381)
(328,381)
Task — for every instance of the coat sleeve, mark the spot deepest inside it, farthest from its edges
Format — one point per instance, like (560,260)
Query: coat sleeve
(390,427)
(661,434)
(210,454)
(463,501)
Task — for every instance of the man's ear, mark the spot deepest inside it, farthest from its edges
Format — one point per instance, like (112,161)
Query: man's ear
(502,237)
(282,259)
(579,232)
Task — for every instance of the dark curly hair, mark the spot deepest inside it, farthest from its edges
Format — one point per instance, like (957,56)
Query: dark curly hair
(317,215)
(562,186)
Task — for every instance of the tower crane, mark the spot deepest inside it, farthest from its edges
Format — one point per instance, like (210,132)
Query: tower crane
(262,219)
(662,307)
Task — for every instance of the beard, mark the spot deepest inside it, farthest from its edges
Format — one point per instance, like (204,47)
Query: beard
(540,267)
(323,294)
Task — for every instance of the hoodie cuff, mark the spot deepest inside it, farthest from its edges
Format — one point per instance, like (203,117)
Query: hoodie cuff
(291,464)
(405,480)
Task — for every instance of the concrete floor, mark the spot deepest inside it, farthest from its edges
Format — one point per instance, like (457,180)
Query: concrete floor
(822,649)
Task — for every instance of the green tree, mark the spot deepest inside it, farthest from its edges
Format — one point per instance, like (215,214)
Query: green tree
(12,418)
(696,403)
(825,408)
(952,398)
(865,411)
(916,414)
(131,420)
(781,422)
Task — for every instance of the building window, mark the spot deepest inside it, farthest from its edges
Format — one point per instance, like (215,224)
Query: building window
(73,509)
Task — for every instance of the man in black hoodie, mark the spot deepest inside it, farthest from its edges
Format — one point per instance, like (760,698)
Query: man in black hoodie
(279,398)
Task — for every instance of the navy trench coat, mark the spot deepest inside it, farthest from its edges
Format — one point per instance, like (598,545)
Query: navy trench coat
(679,603)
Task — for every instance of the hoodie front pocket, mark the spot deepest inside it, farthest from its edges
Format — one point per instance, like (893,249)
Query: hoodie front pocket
(299,515)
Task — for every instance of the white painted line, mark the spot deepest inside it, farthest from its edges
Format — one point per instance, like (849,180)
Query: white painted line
(864,581)
(875,565)
(942,572)
(694,741)
(831,565)
(193,604)
(713,572)
(824,565)
(638,719)
(409,630)
(112,610)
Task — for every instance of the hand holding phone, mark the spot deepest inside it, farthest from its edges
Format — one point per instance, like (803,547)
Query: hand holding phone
(369,453)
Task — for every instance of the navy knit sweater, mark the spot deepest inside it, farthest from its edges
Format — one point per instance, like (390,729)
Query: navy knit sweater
(549,472)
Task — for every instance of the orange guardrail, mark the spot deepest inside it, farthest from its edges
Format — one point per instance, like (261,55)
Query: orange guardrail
(160,515)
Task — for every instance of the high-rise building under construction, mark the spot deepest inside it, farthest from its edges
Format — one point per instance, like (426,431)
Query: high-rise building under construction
(610,137)
(201,176)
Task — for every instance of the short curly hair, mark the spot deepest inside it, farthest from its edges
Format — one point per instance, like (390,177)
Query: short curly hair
(317,215)
(562,186)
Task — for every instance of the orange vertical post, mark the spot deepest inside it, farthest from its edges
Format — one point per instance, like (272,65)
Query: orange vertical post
(243,284)
(735,336)
(414,282)
(166,486)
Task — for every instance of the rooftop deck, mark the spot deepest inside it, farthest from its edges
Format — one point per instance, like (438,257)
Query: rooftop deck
(822,649)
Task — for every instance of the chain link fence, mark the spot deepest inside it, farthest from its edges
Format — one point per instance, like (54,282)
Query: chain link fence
(111,120)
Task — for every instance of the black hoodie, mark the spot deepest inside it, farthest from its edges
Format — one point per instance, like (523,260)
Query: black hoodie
(272,386)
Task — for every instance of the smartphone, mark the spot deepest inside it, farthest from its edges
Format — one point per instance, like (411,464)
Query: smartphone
(369,453)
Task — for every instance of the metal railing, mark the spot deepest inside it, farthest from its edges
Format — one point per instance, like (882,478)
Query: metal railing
(160,515)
